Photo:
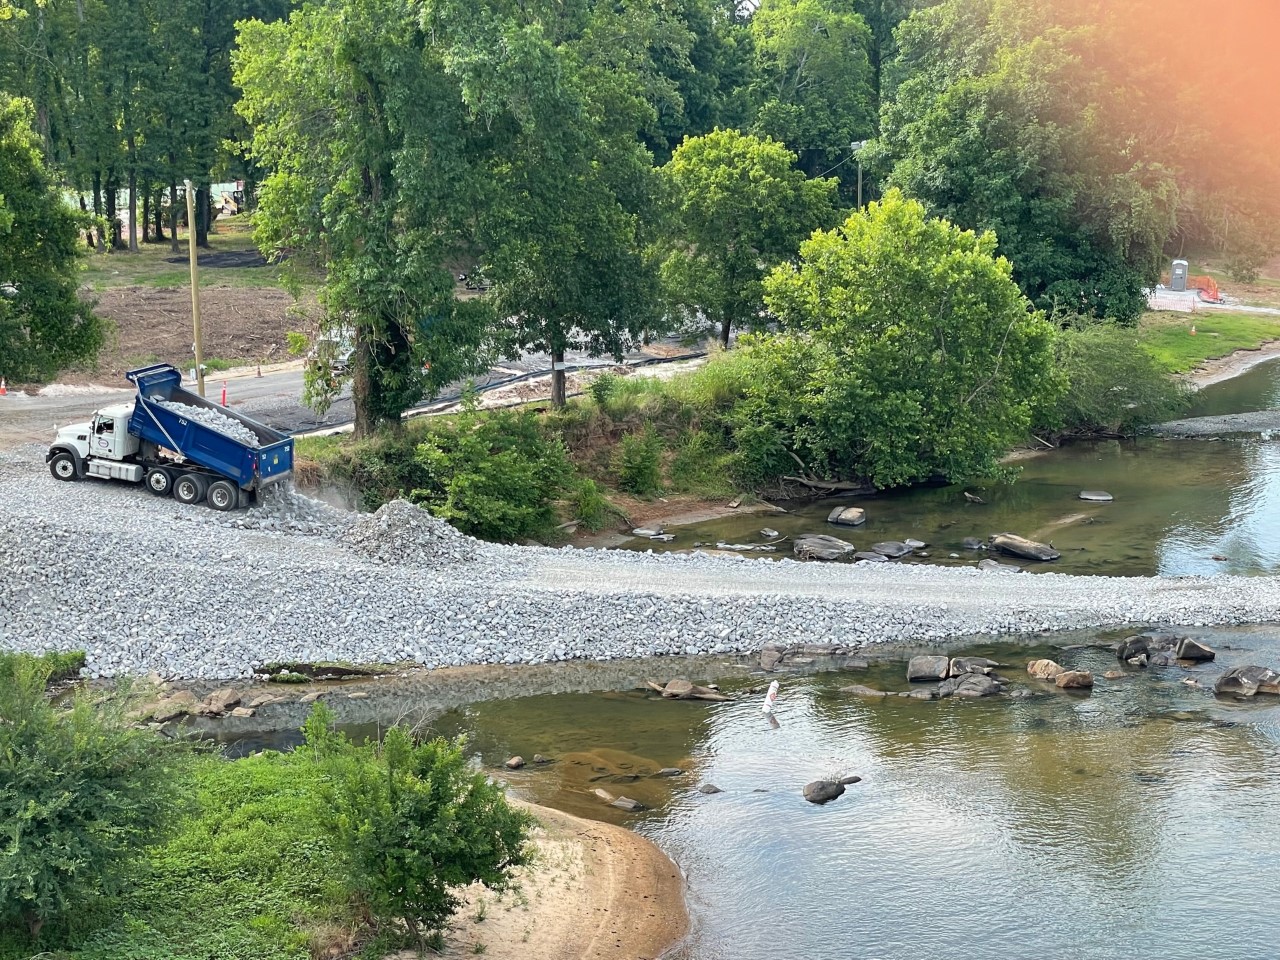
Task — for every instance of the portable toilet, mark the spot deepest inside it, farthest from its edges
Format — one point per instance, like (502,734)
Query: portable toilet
(1178,276)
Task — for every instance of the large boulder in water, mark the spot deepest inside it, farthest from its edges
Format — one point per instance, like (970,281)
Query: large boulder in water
(928,668)
(1017,546)
(893,549)
(1189,649)
(962,665)
(1246,681)
(1045,669)
(847,516)
(1132,647)
(971,685)
(819,546)
(824,791)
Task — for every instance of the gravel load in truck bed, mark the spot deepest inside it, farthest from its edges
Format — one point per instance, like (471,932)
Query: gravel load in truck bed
(145,583)
(212,418)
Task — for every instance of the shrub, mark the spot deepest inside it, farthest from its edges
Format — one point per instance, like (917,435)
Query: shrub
(414,823)
(702,466)
(494,476)
(591,508)
(638,463)
(82,795)
(602,387)
(1113,384)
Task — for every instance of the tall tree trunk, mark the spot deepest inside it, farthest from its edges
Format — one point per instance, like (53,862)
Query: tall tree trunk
(145,220)
(159,207)
(362,386)
(557,377)
(97,205)
(115,241)
(202,217)
(725,325)
(173,218)
(133,198)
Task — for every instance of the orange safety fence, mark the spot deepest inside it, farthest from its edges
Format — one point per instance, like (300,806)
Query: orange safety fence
(1207,286)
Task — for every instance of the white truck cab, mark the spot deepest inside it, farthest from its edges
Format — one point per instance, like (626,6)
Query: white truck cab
(98,448)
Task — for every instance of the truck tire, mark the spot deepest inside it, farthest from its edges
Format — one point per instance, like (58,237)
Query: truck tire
(190,488)
(159,481)
(222,495)
(63,466)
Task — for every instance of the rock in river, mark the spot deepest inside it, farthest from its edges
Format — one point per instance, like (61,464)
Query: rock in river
(1246,681)
(1074,680)
(928,668)
(819,546)
(1096,496)
(1045,669)
(892,549)
(847,516)
(824,791)
(970,685)
(1189,649)
(963,665)
(1022,547)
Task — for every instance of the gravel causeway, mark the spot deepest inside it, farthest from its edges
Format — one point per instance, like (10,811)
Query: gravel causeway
(142,583)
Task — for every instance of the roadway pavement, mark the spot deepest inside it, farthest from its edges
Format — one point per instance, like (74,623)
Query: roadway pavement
(275,396)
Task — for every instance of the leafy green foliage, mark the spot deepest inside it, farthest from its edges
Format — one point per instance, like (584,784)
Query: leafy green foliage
(372,179)
(494,477)
(912,352)
(82,795)
(702,465)
(413,823)
(591,507)
(638,463)
(814,82)
(739,207)
(44,325)
(1113,384)
(1007,123)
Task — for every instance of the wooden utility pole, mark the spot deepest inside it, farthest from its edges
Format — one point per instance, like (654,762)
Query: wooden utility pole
(195,287)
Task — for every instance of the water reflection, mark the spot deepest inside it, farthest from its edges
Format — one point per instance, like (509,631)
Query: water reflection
(1137,821)
(1258,388)
(1178,505)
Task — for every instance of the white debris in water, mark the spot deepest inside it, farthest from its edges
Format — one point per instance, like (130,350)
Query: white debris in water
(212,418)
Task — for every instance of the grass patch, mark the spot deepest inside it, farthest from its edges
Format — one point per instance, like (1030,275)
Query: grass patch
(150,266)
(1168,338)
(249,876)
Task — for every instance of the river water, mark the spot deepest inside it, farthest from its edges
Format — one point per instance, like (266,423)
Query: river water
(1137,821)
(1181,507)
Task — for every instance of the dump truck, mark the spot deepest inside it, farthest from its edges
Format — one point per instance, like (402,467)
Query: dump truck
(176,443)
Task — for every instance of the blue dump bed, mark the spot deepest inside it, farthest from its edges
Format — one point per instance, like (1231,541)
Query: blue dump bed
(245,463)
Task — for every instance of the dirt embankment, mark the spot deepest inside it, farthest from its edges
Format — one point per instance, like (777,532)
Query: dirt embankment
(153,325)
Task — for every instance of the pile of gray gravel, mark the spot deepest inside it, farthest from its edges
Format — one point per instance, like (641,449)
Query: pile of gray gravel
(212,418)
(178,590)
(282,509)
(402,533)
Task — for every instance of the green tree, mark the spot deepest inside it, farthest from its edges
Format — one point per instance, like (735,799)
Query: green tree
(415,823)
(814,81)
(567,92)
(1007,123)
(373,179)
(918,356)
(44,325)
(739,207)
(83,792)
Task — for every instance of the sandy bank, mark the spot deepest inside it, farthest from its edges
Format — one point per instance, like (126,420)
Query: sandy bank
(593,892)
(1232,365)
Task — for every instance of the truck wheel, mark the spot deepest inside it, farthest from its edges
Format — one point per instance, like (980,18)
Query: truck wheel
(190,488)
(159,481)
(222,495)
(63,466)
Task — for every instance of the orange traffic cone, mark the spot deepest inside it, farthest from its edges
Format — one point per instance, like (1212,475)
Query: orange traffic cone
(1193,329)
(4,388)
(224,393)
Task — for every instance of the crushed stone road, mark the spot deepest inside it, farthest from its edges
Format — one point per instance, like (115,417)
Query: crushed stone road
(142,583)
